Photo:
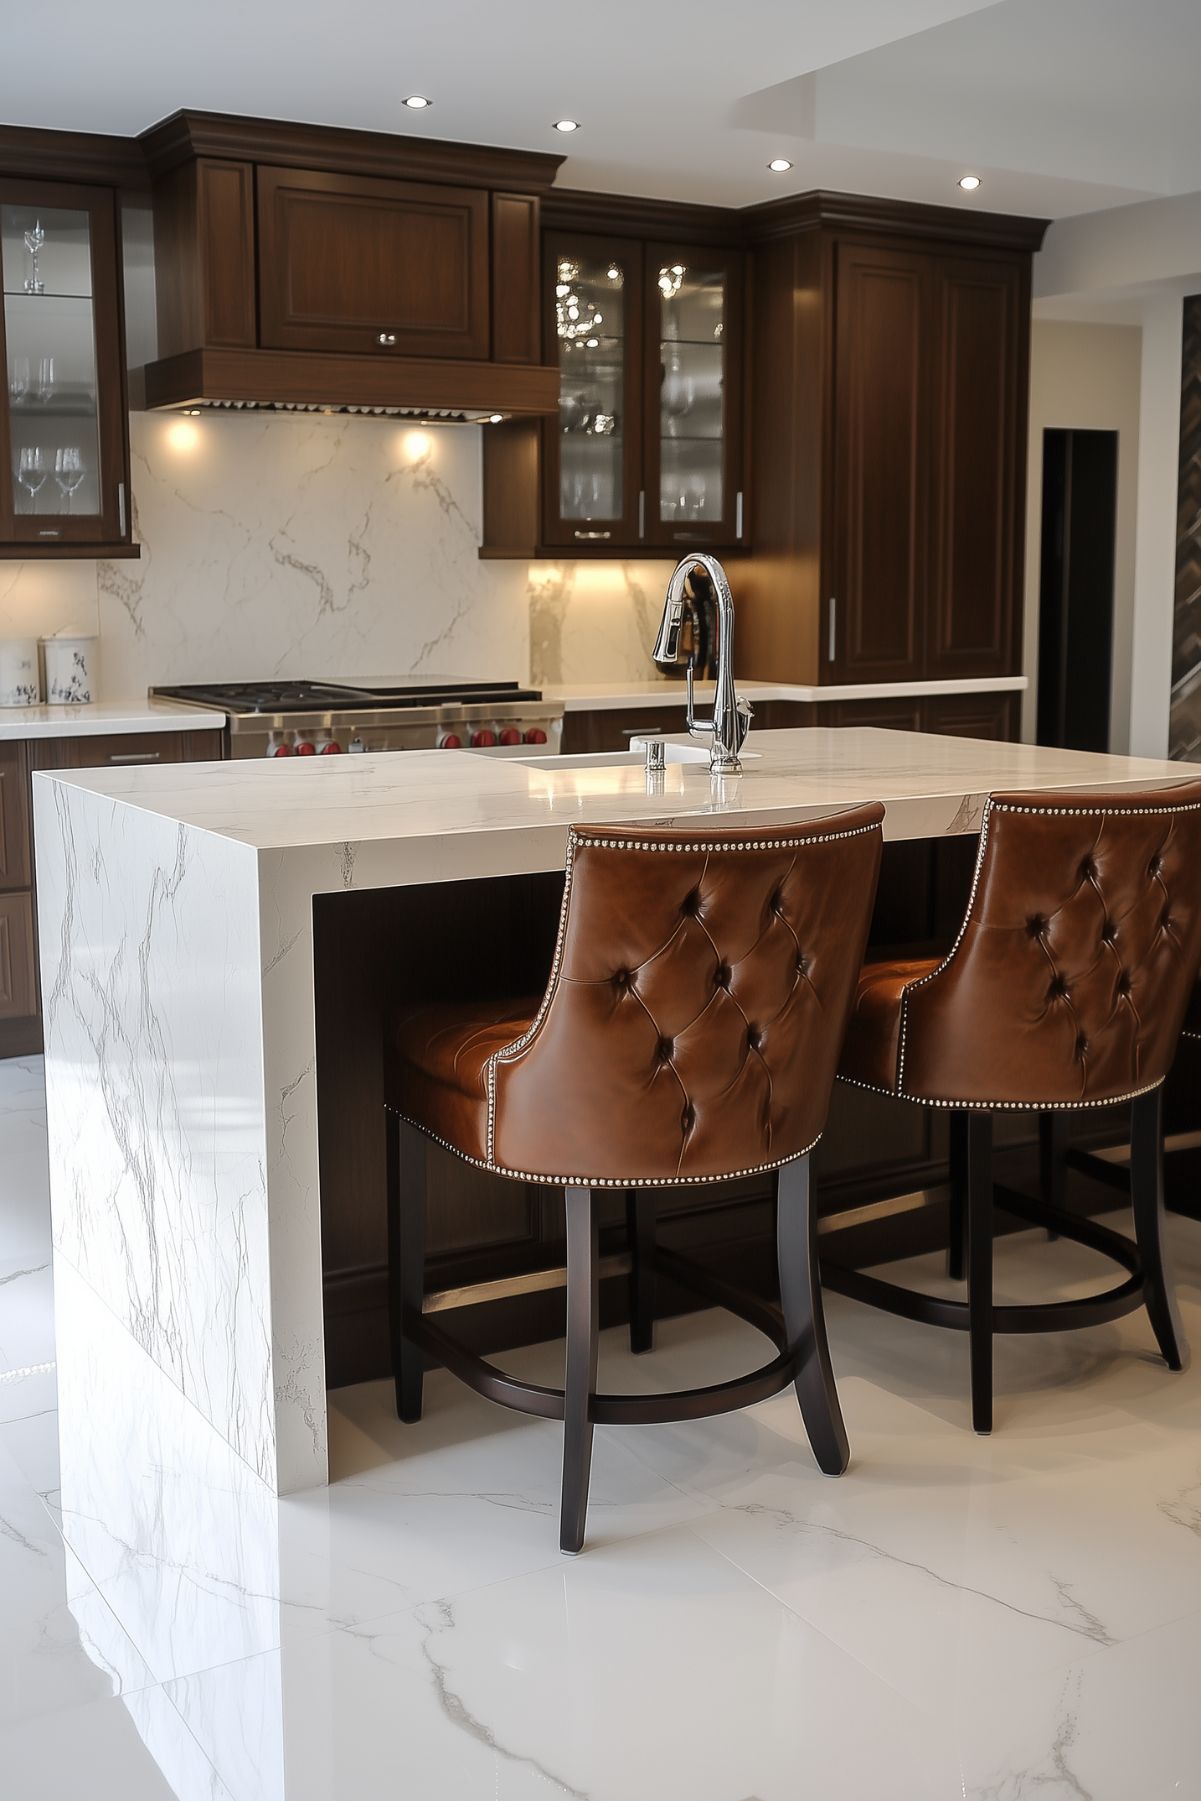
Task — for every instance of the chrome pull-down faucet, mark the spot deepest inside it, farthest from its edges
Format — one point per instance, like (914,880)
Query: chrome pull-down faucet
(731,718)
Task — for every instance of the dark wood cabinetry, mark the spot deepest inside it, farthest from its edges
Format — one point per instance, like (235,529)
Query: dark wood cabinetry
(350,263)
(981,715)
(20,1015)
(646,454)
(889,442)
(303,265)
(64,448)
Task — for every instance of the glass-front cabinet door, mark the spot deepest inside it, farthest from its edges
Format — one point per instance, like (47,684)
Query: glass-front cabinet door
(62,408)
(693,420)
(593,469)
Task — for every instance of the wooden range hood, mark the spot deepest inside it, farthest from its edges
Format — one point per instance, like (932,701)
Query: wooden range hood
(306,268)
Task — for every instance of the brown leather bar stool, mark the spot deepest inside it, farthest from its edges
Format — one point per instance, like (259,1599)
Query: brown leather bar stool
(1065,989)
(689,1033)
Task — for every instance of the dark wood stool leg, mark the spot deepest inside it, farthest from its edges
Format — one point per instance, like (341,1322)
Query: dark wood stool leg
(1052,1161)
(580,1380)
(979,1265)
(640,1233)
(957,1239)
(1146,1193)
(406,1257)
(804,1318)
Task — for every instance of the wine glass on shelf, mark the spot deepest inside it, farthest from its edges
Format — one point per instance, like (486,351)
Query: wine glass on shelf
(68,471)
(44,391)
(35,237)
(31,472)
(18,378)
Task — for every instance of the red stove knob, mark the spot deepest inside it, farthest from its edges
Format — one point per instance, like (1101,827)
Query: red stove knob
(305,748)
(333,748)
(281,750)
(510,735)
(484,736)
(450,741)
(535,735)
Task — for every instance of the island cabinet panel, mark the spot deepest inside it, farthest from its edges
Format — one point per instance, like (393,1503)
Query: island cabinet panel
(875,618)
(17,981)
(359,263)
(14,818)
(973,715)
(978,468)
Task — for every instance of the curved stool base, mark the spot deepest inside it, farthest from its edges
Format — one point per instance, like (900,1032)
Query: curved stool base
(495,1384)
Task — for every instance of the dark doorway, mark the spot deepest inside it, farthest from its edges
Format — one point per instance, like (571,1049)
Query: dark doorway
(1075,628)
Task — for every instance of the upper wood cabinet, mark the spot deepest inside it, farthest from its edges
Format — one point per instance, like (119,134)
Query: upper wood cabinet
(646,454)
(352,263)
(302,265)
(891,348)
(64,448)
(877,562)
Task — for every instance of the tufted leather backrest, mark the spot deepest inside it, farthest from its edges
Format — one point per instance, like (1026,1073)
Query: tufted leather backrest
(697,1004)
(1069,981)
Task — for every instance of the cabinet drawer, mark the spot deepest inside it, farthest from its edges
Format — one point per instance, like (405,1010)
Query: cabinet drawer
(14,818)
(358,263)
(18,992)
(973,715)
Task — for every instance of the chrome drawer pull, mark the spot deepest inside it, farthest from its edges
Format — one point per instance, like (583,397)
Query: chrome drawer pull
(135,756)
(591,535)
(387,337)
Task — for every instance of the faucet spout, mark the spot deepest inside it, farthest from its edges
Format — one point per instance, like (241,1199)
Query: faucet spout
(731,718)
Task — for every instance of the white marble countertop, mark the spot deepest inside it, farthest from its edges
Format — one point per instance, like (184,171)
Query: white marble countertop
(930,784)
(586,697)
(106,718)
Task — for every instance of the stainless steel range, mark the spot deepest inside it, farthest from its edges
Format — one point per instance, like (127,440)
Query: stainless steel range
(301,719)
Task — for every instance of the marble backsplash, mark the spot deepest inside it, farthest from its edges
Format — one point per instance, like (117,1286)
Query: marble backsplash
(281,545)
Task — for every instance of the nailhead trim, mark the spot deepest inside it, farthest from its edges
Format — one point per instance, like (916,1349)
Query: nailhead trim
(922,1100)
(719,844)
(996,806)
(529,1175)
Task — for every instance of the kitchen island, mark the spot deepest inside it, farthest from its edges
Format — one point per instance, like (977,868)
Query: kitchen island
(180,982)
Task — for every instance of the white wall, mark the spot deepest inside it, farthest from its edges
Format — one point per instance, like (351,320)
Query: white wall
(1087,378)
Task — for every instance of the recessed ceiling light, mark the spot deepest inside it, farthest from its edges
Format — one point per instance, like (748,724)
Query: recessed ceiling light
(495,418)
(417,102)
(567,125)
(779,164)
(969,183)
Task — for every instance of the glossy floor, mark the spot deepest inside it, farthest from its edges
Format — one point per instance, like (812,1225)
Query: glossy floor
(1003,1618)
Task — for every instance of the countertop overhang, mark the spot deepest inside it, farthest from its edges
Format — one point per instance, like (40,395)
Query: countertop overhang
(104,719)
(930,785)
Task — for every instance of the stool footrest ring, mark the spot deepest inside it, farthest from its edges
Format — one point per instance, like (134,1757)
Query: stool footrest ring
(1040,1316)
(769,1379)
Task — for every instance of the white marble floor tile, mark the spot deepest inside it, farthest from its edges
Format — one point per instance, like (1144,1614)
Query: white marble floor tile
(648,1669)
(1122,1726)
(136,1748)
(60,1643)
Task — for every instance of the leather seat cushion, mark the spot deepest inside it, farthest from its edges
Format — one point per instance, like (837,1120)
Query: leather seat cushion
(871,1049)
(437,1065)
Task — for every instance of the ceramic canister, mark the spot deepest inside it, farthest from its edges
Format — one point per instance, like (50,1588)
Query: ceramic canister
(70,665)
(20,680)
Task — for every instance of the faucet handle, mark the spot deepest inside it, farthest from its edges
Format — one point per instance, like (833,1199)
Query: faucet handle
(745,713)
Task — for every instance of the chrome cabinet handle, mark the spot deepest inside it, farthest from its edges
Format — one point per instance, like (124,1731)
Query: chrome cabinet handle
(121,507)
(135,756)
(832,630)
(738,514)
(642,512)
(386,337)
(47,531)
(588,536)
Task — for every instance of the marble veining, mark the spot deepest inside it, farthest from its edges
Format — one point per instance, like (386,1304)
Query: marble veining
(171,1630)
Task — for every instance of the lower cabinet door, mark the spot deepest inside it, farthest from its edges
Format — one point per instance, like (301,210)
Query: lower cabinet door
(18,990)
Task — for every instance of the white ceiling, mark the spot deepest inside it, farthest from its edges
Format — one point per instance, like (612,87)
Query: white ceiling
(1062,106)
